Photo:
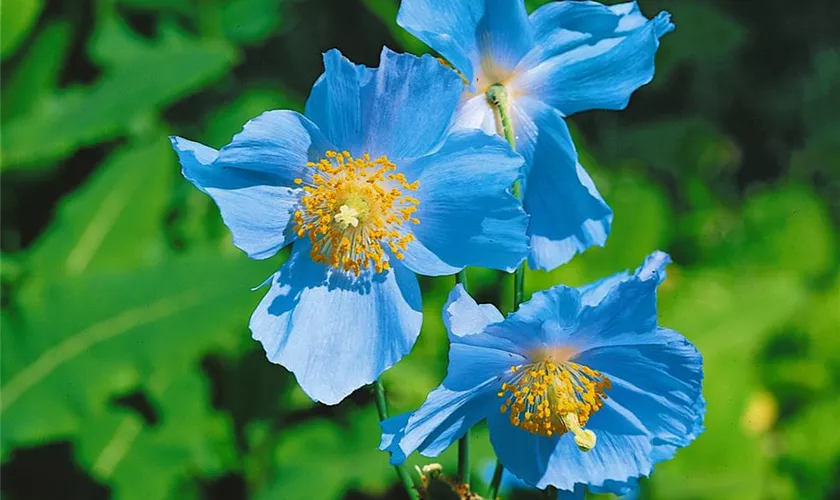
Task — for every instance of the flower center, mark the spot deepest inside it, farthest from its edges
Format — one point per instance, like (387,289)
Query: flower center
(551,398)
(355,208)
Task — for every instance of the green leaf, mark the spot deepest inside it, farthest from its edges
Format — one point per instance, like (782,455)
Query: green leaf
(140,460)
(115,220)
(138,87)
(16,19)
(727,317)
(251,21)
(82,340)
(36,76)
(340,455)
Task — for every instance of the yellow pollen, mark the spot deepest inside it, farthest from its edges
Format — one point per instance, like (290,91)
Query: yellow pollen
(552,397)
(354,210)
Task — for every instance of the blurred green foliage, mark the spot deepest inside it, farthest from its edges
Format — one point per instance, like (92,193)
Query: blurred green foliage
(127,368)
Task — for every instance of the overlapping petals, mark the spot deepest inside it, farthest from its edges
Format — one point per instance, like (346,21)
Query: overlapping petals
(339,319)
(652,407)
(566,57)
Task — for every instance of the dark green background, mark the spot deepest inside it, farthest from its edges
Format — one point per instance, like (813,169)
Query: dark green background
(127,367)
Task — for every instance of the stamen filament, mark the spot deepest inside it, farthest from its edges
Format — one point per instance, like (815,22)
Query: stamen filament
(353,209)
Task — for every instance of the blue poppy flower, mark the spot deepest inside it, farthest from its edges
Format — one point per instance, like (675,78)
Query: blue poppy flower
(372,188)
(580,387)
(566,57)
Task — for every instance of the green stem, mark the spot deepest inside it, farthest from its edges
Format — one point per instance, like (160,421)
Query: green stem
(493,492)
(498,97)
(464,442)
(382,409)
(551,493)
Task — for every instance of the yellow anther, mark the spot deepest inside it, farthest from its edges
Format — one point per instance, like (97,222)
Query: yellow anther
(553,396)
(353,210)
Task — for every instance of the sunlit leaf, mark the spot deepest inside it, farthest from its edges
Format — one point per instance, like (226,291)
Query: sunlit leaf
(16,19)
(115,220)
(109,108)
(83,340)
(142,460)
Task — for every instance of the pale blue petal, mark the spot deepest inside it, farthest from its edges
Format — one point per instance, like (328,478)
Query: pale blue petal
(446,415)
(257,212)
(408,105)
(466,396)
(567,213)
(600,74)
(543,461)
(335,104)
(468,217)
(626,314)
(276,145)
(585,17)
(654,264)
(463,316)
(336,333)
(504,34)
(447,27)
(546,320)
(471,33)
(655,388)
(626,490)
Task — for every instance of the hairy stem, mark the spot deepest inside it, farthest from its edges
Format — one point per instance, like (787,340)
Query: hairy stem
(498,97)
(382,409)
(464,442)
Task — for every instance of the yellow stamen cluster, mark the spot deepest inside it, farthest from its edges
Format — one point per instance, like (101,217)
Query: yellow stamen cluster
(551,398)
(353,209)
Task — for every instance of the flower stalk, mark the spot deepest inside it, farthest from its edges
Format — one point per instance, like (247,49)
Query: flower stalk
(382,410)
(464,442)
(498,97)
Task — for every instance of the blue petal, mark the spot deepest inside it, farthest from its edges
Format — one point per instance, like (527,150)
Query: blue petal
(463,316)
(336,333)
(335,104)
(655,388)
(467,394)
(625,312)
(585,17)
(256,210)
(470,33)
(468,217)
(504,35)
(568,214)
(599,74)
(408,105)
(276,145)
(545,320)
(627,490)
(654,265)
(543,461)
